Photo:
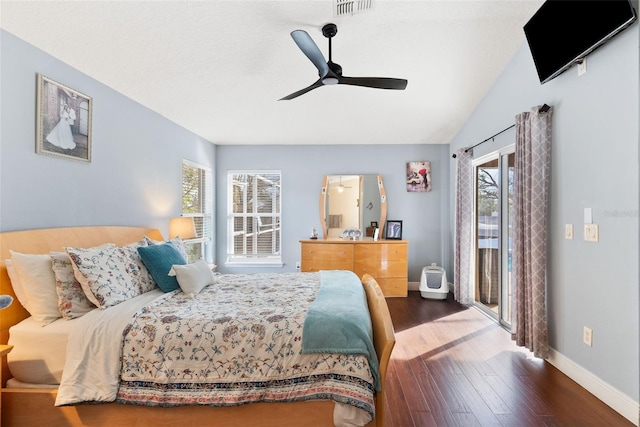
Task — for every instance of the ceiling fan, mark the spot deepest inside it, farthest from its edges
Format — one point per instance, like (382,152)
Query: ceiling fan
(331,73)
(341,186)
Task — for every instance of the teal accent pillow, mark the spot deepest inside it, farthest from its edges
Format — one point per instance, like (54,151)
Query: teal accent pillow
(159,259)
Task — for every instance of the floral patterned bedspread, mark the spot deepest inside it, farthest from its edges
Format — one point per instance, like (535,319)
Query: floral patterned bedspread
(238,341)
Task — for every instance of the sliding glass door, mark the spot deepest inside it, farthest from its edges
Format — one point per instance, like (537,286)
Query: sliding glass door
(493,228)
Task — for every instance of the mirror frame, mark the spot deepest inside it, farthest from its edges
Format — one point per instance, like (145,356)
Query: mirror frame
(323,206)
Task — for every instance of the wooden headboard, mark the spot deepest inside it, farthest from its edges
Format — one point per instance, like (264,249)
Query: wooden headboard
(42,241)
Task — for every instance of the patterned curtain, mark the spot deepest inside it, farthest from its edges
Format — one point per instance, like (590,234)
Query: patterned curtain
(462,273)
(533,161)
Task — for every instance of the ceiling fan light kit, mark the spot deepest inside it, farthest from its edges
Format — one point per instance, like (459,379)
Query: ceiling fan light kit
(329,72)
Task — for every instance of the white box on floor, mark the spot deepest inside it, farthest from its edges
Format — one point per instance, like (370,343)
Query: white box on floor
(433,283)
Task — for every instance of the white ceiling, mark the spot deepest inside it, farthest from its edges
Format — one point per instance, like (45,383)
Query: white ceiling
(218,68)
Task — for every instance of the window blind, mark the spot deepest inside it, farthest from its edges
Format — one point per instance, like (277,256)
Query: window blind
(197,202)
(254,216)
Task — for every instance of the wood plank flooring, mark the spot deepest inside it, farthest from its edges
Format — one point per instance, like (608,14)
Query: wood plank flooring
(453,366)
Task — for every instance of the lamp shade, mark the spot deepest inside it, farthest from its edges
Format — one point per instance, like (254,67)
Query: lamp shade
(182,226)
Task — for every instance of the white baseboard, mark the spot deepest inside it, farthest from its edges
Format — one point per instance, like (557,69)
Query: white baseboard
(613,397)
(617,400)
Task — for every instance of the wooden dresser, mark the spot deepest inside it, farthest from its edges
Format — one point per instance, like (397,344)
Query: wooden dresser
(385,260)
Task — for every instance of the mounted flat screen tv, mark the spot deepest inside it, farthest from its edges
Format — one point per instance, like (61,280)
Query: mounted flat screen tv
(562,32)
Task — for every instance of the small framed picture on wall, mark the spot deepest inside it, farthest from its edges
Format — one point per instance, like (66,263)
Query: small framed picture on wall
(393,230)
(418,176)
(63,121)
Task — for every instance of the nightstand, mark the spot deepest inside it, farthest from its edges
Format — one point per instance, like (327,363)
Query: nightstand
(4,350)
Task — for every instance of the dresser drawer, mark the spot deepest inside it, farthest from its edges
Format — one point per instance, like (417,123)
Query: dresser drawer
(381,251)
(311,266)
(393,287)
(381,268)
(327,251)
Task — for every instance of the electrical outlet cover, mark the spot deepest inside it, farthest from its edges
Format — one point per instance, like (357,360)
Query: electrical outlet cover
(587,336)
(582,66)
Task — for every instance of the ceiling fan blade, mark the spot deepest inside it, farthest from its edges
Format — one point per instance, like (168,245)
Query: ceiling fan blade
(330,72)
(318,83)
(310,48)
(374,82)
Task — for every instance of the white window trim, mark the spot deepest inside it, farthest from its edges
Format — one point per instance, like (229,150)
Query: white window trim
(204,241)
(494,155)
(265,263)
(251,261)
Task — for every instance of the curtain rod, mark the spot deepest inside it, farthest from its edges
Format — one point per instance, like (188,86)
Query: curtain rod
(542,109)
(491,137)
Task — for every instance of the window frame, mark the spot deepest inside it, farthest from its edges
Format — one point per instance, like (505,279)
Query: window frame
(503,316)
(252,260)
(206,233)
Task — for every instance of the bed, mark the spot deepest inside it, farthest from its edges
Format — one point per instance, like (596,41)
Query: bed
(24,406)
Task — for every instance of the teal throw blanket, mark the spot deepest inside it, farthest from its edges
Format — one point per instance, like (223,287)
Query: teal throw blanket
(338,321)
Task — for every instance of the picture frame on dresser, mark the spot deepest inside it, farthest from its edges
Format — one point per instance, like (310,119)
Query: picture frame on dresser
(393,230)
(63,118)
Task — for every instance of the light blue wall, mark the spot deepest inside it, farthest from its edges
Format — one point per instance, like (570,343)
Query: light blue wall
(134,177)
(424,215)
(594,165)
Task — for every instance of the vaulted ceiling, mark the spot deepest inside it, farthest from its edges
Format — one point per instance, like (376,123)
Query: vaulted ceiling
(218,68)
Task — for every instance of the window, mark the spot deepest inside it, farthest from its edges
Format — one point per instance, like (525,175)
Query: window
(253,227)
(197,202)
(494,193)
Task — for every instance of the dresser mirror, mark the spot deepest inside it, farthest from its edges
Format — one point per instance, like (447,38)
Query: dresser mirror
(354,202)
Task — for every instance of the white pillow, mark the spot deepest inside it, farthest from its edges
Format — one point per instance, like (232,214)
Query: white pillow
(39,285)
(194,277)
(16,285)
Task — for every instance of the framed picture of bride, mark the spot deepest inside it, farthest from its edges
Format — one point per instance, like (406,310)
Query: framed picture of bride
(63,121)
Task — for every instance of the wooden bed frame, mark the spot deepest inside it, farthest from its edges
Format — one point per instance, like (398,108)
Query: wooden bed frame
(22,407)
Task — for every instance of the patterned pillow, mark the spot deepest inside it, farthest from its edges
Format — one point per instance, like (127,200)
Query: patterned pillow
(72,300)
(139,273)
(109,276)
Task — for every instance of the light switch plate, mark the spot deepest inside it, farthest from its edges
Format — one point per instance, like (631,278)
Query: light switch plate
(568,231)
(591,232)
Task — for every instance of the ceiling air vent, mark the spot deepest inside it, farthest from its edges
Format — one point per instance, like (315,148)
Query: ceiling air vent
(350,7)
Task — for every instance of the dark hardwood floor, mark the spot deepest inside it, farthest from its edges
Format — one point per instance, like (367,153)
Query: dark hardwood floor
(453,366)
